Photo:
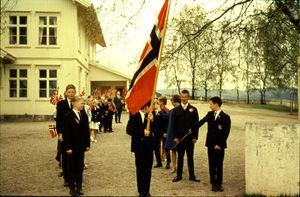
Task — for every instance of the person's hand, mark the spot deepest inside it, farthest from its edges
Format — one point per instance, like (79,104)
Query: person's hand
(146,132)
(150,116)
(69,152)
(217,147)
(194,140)
(176,140)
(87,148)
(165,135)
(60,137)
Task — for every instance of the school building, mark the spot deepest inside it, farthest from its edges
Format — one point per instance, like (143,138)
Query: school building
(46,45)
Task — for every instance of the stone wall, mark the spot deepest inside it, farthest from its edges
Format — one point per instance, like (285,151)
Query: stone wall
(272,159)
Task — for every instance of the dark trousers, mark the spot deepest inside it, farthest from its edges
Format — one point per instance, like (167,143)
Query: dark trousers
(64,162)
(118,115)
(188,147)
(75,169)
(157,149)
(143,163)
(215,162)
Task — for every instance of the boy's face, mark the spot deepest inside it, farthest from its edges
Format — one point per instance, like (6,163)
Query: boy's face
(70,93)
(213,106)
(78,104)
(184,98)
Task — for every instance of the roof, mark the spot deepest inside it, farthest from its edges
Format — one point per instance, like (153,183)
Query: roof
(6,56)
(110,70)
(88,13)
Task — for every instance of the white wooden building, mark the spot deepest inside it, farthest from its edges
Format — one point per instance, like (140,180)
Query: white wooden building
(46,45)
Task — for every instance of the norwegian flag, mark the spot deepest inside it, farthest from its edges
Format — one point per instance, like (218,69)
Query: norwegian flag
(52,130)
(143,82)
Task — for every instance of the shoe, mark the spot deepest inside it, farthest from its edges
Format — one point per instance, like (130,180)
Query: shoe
(220,188)
(158,165)
(168,166)
(214,188)
(79,191)
(73,192)
(66,183)
(177,178)
(194,179)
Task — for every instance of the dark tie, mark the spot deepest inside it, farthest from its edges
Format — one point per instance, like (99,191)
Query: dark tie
(215,114)
(79,116)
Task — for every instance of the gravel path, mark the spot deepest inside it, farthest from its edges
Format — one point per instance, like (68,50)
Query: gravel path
(28,166)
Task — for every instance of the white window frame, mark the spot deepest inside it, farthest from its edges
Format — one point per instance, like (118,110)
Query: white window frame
(48,26)
(47,79)
(18,26)
(18,80)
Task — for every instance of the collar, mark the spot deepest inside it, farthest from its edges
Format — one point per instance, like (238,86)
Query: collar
(218,112)
(76,111)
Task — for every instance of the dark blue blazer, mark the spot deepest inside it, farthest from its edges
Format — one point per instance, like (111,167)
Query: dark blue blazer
(76,133)
(62,108)
(217,130)
(135,128)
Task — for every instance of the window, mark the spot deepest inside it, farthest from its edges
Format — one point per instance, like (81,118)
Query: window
(47,30)
(47,82)
(18,83)
(17,30)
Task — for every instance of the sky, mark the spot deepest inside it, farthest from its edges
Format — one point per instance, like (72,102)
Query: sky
(125,45)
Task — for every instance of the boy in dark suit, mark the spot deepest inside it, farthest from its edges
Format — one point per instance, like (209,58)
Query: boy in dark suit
(217,133)
(142,144)
(64,107)
(185,116)
(76,140)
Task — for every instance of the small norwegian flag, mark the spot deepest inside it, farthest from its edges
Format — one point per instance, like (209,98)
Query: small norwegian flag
(52,130)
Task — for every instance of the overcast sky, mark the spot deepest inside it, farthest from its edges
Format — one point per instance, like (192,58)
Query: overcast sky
(126,44)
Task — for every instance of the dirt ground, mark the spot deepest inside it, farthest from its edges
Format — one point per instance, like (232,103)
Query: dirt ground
(28,166)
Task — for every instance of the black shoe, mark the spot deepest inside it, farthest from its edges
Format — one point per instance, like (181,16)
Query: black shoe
(220,188)
(214,188)
(158,165)
(194,179)
(66,183)
(168,166)
(79,191)
(177,178)
(73,192)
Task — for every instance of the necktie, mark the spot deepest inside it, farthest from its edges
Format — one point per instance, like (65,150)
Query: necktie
(79,116)
(215,115)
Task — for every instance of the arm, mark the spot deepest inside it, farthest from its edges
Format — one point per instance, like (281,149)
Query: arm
(195,130)
(133,127)
(66,131)
(226,124)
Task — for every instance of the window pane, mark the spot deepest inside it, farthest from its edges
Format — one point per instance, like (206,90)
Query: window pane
(12,73)
(12,84)
(43,84)
(23,31)
(23,92)
(12,93)
(43,93)
(43,73)
(13,20)
(23,73)
(52,31)
(52,20)
(43,20)
(43,35)
(52,41)
(12,39)
(52,84)
(12,31)
(12,35)
(52,73)
(23,20)
(23,84)
(23,39)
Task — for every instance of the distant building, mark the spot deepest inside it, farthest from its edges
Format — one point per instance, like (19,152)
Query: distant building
(45,46)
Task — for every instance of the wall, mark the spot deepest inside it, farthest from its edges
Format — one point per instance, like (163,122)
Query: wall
(272,159)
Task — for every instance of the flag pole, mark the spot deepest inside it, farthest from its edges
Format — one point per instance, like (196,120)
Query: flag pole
(159,61)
